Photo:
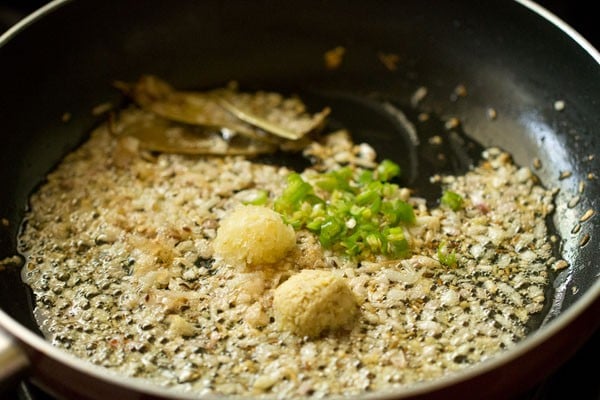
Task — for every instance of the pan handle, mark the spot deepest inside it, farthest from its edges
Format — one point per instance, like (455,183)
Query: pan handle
(12,358)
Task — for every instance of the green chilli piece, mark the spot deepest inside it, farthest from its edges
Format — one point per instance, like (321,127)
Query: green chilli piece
(353,211)
(452,199)
(259,199)
(446,257)
(294,194)
(387,170)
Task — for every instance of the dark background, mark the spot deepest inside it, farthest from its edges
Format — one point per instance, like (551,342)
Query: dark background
(578,378)
(580,14)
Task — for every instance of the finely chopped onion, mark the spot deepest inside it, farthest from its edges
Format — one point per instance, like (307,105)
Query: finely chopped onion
(125,261)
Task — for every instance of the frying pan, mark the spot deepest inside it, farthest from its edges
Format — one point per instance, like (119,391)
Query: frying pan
(539,76)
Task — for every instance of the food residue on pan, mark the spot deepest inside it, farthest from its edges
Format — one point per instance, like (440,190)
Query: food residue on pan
(491,113)
(334,57)
(452,123)
(389,60)
(587,215)
(559,105)
(418,96)
(66,117)
(564,175)
(459,91)
(584,240)
(573,201)
(208,270)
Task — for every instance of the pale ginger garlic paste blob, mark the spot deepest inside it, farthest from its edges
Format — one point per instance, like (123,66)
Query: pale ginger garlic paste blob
(253,235)
(314,301)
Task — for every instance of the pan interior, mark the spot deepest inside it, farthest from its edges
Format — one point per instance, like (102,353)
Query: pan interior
(524,84)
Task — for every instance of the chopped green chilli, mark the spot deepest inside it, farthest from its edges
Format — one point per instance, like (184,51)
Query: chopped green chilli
(354,211)
(260,198)
(445,256)
(452,200)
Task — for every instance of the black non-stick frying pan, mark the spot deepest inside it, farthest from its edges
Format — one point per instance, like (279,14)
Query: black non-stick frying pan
(513,57)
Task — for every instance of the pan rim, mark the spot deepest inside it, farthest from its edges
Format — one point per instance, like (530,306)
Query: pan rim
(22,334)
(30,19)
(563,26)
